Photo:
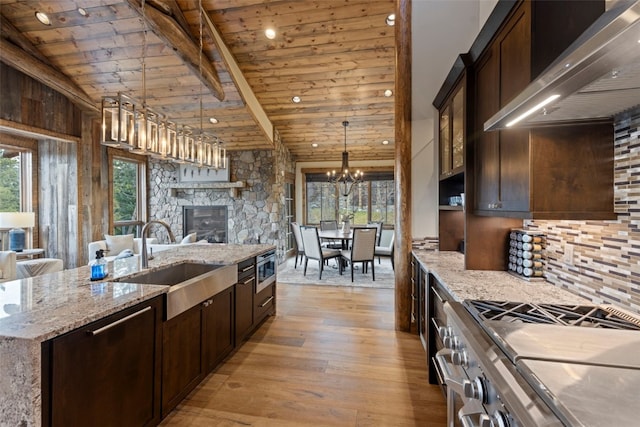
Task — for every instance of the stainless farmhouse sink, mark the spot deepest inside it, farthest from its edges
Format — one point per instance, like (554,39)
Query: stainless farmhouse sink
(191,283)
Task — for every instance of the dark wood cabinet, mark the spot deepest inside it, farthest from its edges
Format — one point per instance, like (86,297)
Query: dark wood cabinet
(264,303)
(546,172)
(244,298)
(418,301)
(452,123)
(182,367)
(218,332)
(106,373)
(194,343)
(437,295)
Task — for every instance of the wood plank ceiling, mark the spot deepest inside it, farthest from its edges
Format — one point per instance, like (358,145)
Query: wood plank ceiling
(336,55)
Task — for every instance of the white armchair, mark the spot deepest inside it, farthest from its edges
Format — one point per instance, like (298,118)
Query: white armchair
(387,239)
(12,269)
(7,266)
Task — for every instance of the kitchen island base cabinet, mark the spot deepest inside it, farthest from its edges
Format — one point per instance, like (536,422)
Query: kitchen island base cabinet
(181,357)
(106,373)
(194,343)
(265,304)
(244,298)
(217,329)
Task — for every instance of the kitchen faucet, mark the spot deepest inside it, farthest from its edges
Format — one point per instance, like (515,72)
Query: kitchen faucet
(145,230)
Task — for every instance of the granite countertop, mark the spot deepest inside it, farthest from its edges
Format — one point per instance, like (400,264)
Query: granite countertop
(448,268)
(40,308)
(43,307)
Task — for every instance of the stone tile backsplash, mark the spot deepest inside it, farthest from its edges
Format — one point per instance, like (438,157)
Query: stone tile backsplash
(600,260)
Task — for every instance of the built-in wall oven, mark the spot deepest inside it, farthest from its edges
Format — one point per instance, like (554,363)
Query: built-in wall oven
(265,269)
(508,364)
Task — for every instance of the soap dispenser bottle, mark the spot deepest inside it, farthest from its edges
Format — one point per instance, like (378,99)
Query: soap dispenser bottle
(99,266)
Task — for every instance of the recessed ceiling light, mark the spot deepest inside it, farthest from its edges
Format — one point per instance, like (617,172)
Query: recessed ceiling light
(391,20)
(296,99)
(385,142)
(314,145)
(43,18)
(82,11)
(270,33)
(213,120)
(388,93)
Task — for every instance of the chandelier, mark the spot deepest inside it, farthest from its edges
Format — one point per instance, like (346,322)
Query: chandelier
(344,180)
(130,124)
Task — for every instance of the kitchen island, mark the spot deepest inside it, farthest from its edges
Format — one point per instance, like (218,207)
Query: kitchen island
(39,309)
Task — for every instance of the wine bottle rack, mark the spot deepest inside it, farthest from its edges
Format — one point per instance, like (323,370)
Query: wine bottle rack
(526,258)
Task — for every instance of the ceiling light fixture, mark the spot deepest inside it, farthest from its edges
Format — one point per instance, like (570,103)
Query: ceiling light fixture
(385,142)
(129,124)
(82,11)
(391,20)
(43,18)
(388,93)
(345,180)
(296,99)
(270,33)
(314,145)
(213,120)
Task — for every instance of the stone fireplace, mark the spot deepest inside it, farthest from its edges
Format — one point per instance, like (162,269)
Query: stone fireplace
(208,222)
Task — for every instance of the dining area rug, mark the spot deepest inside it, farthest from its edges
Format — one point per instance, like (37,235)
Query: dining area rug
(385,279)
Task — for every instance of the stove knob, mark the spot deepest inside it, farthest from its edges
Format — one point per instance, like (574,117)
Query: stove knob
(448,341)
(456,344)
(444,331)
(499,419)
(460,358)
(474,389)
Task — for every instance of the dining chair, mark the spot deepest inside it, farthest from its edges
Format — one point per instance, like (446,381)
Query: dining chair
(386,246)
(295,227)
(313,250)
(362,249)
(378,225)
(329,224)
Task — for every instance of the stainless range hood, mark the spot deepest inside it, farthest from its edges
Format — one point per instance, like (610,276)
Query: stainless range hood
(597,77)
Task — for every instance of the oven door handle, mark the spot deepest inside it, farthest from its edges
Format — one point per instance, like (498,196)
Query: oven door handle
(454,384)
(470,412)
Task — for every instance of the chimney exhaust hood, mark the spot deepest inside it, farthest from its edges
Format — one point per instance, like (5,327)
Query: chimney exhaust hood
(597,77)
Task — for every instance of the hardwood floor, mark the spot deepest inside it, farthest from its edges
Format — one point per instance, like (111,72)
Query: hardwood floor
(330,356)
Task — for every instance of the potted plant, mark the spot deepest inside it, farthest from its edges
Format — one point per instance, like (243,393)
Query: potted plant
(346,223)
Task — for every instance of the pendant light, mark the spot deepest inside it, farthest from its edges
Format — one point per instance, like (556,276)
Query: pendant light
(345,180)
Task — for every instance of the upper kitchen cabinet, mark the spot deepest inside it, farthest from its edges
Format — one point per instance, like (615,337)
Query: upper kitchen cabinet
(545,172)
(451,103)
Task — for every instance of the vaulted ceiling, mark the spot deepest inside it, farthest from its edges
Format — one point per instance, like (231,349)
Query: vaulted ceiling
(336,55)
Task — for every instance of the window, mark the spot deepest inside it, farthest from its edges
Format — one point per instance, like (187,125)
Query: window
(128,204)
(15,179)
(289,214)
(16,185)
(372,200)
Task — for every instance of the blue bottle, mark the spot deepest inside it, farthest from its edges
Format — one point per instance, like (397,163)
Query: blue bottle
(99,266)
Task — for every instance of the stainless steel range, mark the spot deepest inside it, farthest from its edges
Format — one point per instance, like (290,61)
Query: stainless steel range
(511,364)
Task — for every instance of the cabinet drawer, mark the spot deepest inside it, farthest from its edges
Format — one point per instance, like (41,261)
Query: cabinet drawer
(265,302)
(246,269)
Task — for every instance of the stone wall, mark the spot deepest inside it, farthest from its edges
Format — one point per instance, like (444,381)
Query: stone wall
(255,215)
(600,260)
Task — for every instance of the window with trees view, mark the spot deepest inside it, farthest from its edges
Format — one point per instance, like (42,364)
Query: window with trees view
(15,179)
(371,200)
(128,205)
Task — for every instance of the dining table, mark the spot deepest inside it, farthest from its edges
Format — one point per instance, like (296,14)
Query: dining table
(337,235)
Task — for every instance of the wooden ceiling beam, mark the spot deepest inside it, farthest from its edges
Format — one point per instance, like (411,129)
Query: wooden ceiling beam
(170,31)
(46,74)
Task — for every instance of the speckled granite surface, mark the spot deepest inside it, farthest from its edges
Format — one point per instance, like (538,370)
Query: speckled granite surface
(448,268)
(40,308)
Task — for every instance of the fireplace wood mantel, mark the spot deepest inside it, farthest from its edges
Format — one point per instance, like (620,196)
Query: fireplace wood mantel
(233,187)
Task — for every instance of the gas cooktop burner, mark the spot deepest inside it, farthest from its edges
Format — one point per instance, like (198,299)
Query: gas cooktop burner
(566,315)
